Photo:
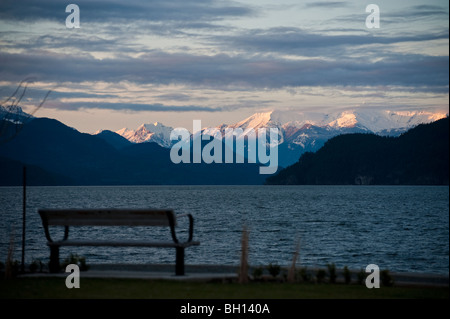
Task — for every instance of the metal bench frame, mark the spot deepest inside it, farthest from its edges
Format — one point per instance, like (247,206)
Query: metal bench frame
(114,217)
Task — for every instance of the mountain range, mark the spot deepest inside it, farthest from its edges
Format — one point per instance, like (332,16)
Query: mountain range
(418,157)
(56,154)
(301,132)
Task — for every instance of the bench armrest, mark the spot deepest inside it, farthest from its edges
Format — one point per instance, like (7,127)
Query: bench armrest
(172,226)
(47,231)
(191,225)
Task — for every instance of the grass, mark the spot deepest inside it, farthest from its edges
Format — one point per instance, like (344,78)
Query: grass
(96,288)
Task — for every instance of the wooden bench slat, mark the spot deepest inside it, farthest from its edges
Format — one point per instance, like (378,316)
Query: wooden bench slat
(129,243)
(112,217)
(110,222)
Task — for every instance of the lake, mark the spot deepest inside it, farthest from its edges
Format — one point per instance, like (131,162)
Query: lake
(400,228)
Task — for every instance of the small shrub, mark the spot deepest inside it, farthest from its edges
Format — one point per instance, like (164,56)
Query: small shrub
(257,273)
(320,275)
(284,275)
(41,265)
(72,259)
(332,273)
(274,270)
(80,261)
(15,268)
(347,275)
(82,264)
(34,266)
(304,275)
(361,277)
(386,278)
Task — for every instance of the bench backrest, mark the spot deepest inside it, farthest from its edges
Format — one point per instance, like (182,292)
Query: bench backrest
(108,217)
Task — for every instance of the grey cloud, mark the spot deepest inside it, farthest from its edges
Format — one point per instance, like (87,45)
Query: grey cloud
(416,12)
(78,95)
(409,15)
(298,41)
(223,71)
(37,94)
(92,42)
(427,7)
(174,97)
(326,4)
(156,107)
(132,10)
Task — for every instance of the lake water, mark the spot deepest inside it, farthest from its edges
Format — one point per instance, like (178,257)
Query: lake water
(398,228)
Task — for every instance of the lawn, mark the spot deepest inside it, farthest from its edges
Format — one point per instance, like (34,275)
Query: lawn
(93,288)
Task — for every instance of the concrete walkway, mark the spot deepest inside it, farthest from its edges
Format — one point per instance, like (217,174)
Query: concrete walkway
(166,272)
(221,273)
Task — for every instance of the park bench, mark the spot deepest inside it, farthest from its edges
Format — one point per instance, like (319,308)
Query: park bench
(114,217)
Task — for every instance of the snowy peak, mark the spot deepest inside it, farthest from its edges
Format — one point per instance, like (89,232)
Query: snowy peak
(14,109)
(373,120)
(155,132)
(125,132)
(383,120)
(157,128)
(294,119)
(346,119)
(257,120)
(409,119)
(280,119)
(14,114)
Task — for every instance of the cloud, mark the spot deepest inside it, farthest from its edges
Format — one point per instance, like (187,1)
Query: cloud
(327,4)
(419,11)
(427,7)
(131,10)
(222,71)
(200,44)
(157,107)
(297,41)
(113,26)
(174,97)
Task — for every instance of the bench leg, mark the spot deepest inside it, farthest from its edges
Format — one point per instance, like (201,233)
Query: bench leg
(179,263)
(54,259)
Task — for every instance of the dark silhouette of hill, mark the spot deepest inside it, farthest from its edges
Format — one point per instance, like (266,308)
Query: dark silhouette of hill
(114,139)
(84,159)
(417,157)
(11,173)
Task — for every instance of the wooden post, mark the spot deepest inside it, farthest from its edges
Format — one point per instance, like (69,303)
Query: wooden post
(243,271)
(179,262)
(54,259)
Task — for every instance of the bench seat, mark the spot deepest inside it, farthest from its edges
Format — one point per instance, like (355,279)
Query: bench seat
(127,243)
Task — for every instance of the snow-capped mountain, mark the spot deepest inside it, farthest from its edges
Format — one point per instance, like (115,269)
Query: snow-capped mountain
(156,132)
(384,120)
(308,131)
(371,120)
(14,114)
(299,132)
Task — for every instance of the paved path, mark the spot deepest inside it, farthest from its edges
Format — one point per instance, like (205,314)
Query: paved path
(222,272)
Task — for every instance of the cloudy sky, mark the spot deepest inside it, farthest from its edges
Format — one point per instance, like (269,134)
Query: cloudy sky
(172,61)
